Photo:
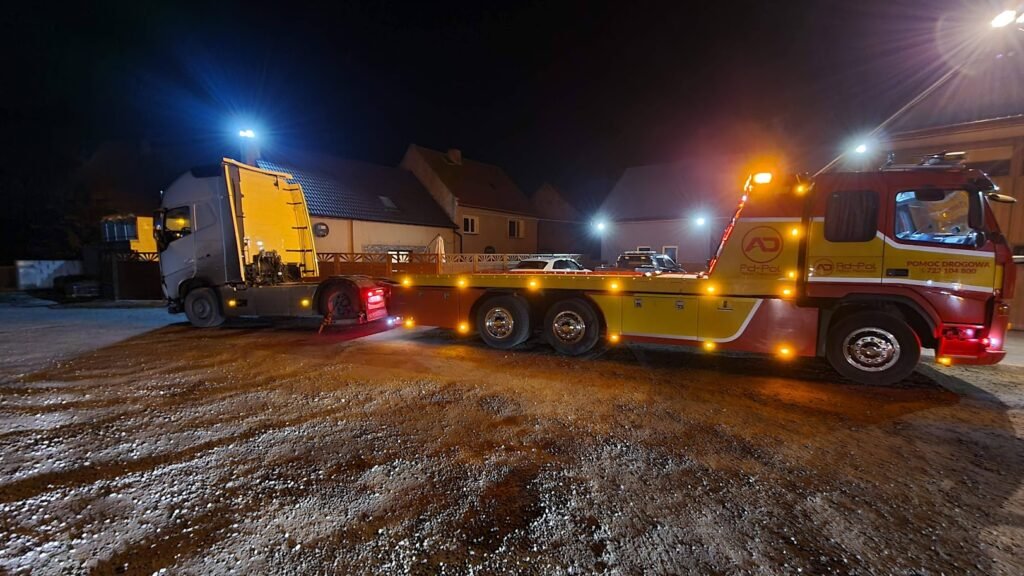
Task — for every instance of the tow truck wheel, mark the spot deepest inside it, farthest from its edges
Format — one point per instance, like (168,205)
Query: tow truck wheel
(572,327)
(503,322)
(873,348)
(202,307)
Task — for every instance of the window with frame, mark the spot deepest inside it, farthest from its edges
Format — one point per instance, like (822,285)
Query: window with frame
(399,255)
(643,249)
(470,225)
(851,216)
(516,228)
(937,216)
(670,251)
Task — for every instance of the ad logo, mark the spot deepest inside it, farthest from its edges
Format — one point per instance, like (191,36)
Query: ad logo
(824,267)
(762,244)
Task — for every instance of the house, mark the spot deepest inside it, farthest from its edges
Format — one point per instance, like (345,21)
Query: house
(561,229)
(679,209)
(492,213)
(365,208)
(981,114)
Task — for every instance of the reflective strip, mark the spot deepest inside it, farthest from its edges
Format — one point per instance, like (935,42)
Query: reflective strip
(955,286)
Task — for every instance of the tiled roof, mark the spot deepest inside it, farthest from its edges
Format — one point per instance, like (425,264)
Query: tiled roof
(339,188)
(478,184)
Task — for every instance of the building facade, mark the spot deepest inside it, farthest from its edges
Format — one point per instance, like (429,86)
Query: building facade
(491,213)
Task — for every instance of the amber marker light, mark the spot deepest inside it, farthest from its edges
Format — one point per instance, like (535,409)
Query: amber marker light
(613,286)
(533,284)
(787,291)
(944,360)
(406,282)
(794,232)
(232,303)
(463,327)
(785,352)
(305,302)
(800,188)
(462,282)
(409,323)
(791,274)
(763,178)
(709,346)
(613,338)
(710,289)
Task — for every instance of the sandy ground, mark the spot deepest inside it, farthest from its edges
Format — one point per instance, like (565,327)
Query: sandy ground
(132,446)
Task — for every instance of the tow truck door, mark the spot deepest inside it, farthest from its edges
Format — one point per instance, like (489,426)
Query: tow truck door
(845,245)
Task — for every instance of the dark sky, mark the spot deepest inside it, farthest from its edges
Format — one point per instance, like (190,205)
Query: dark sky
(571,92)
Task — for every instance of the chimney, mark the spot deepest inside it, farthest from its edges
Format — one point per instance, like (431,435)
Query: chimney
(454,156)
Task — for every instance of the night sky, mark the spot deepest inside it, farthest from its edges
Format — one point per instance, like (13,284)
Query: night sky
(569,92)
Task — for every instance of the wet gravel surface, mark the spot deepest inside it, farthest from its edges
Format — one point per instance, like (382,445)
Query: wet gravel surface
(130,446)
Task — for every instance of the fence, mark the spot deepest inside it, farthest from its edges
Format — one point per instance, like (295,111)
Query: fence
(384,264)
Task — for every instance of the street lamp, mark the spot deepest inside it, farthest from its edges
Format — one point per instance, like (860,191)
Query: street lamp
(600,225)
(247,133)
(1002,20)
(700,221)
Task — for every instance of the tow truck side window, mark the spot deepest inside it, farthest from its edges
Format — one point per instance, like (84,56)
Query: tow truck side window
(177,223)
(937,216)
(851,216)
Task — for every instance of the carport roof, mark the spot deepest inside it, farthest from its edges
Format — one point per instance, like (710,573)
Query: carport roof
(341,188)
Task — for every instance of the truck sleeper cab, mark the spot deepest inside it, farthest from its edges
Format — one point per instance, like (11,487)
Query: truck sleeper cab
(863,268)
(235,240)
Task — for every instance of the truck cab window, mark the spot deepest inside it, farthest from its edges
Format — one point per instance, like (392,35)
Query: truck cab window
(177,223)
(851,216)
(937,216)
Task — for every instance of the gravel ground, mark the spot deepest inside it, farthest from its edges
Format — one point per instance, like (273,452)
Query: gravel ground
(128,445)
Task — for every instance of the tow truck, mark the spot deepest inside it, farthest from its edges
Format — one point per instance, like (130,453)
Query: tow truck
(862,268)
(235,240)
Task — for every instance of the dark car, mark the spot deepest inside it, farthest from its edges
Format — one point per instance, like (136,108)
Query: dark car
(647,263)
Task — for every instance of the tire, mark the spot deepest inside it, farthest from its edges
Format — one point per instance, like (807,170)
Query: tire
(503,322)
(873,348)
(572,327)
(342,300)
(202,307)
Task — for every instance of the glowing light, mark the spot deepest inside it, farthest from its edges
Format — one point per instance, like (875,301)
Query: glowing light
(944,360)
(861,148)
(786,352)
(305,302)
(1020,19)
(613,338)
(409,323)
(787,292)
(232,303)
(700,221)
(600,225)
(791,274)
(406,282)
(533,284)
(1004,18)
(794,232)
(463,327)
(763,178)
(462,282)
(613,286)
(247,133)
(710,289)
(800,188)
(709,346)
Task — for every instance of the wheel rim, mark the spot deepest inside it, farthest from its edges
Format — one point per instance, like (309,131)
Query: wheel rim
(569,327)
(499,323)
(201,308)
(871,349)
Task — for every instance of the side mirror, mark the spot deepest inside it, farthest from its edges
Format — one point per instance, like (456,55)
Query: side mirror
(979,238)
(1002,198)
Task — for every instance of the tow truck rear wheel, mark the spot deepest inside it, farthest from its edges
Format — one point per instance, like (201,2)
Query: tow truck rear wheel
(503,321)
(873,348)
(572,327)
(202,308)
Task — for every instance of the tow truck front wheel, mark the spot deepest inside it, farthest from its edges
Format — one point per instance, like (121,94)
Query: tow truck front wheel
(202,307)
(503,321)
(873,348)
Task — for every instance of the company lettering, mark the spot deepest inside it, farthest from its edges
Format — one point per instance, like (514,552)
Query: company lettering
(948,263)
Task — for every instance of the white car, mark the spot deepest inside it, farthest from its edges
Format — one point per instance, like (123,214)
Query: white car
(549,265)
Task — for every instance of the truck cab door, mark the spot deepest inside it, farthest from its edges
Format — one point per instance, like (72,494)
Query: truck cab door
(845,245)
(177,243)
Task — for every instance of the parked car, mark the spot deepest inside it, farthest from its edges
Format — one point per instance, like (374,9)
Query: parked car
(647,263)
(548,265)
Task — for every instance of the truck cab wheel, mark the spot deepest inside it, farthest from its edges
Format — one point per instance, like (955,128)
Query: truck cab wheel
(503,321)
(572,327)
(202,307)
(873,348)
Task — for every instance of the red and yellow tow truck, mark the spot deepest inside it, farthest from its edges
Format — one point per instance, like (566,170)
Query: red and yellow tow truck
(863,268)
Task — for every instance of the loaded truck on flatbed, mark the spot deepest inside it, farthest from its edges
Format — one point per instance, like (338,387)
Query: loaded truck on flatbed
(862,268)
(235,240)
